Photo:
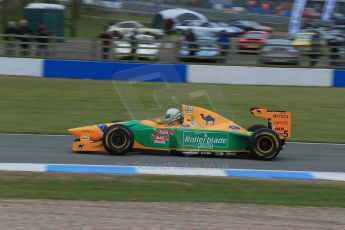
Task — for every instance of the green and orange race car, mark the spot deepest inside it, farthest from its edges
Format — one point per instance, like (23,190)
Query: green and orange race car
(201,132)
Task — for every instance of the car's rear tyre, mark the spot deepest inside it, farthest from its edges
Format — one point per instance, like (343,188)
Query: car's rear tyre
(118,139)
(255,127)
(264,144)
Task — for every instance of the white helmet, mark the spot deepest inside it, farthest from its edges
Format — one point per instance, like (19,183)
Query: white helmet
(173,116)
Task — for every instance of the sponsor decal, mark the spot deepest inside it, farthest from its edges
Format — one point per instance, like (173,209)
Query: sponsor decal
(193,122)
(208,119)
(278,128)
(280,115)
(234,127)
(161,136)
(85,138)
(102,127)
(203,140)
(189,109)
(225,154)
(220,154)
(281,131)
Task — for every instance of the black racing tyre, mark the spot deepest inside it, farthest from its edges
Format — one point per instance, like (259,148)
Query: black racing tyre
(264,144)
(253,128)
(118,139)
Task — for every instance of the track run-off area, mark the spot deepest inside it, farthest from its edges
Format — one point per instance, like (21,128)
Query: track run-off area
(51,149)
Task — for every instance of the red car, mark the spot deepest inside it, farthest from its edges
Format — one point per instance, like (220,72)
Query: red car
(252,40)
(311,13)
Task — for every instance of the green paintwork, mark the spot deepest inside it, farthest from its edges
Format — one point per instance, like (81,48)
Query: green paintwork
(187,138)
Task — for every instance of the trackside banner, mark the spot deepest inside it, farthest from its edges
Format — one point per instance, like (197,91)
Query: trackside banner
(328,10)
(296,16)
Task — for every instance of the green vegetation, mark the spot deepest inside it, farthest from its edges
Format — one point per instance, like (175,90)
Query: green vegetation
(35,105)
(90,22)
(90,26)
(170,189)
(90,19)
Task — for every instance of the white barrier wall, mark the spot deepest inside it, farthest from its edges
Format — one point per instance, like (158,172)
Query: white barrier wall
(21,67)
(243,75)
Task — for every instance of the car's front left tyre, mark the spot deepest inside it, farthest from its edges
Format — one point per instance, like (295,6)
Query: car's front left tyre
(118,139)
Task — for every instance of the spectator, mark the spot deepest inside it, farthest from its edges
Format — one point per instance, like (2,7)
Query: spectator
(116,35)
(134,43)
(25,32)
(314,50)
(265,6)
(106,40)
(168,25)
(42,39)
(191,42)
(334,47)
(10,33)
(224,42)
(308,24)
(252,3)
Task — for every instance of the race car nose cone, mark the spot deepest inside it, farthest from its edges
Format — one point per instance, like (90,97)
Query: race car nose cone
(75,132)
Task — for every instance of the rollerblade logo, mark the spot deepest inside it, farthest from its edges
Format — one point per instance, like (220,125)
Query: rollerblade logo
(202,140)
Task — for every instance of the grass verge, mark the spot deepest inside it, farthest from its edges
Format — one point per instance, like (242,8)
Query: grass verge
(169,189)
(51,106)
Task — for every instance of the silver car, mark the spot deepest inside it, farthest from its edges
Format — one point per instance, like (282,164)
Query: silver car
(279,51)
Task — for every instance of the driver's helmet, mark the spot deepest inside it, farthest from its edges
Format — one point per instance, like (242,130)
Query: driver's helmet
(173,117)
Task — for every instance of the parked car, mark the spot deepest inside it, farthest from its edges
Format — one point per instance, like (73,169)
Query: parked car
(311,13)
(279,51)
(252,26)
(188,24)
(340,29)
(128,27)
(222,26)
(303,41)
(147,48)
(208,47)
(166,19)
(323,34)
(252,40)
(210,26)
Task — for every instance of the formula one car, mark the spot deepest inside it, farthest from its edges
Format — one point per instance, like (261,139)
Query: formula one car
(201,132)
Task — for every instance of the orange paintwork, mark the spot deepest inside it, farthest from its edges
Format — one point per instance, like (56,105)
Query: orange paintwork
(193,120)
(280,121)
(88,146)
(90,137)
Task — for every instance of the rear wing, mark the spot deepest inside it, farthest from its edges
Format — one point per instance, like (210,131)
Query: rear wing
(278,121)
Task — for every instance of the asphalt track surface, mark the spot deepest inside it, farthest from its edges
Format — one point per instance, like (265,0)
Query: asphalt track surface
(56,150)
